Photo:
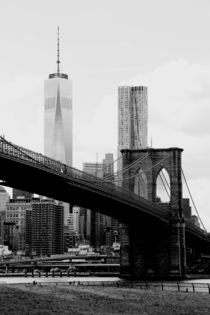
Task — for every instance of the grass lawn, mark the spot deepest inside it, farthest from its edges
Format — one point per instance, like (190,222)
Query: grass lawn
(78,300)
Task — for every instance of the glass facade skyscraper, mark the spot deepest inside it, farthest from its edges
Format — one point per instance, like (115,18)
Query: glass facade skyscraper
(58,120)
(58,124)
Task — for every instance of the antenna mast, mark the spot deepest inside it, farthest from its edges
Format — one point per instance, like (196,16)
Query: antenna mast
(58,53)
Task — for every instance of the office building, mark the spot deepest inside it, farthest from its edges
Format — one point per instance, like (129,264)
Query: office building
(108,166)
(95,169)
(4,198)
(73,220)
(15,224)
(58,124)
(96,227)
(72,231)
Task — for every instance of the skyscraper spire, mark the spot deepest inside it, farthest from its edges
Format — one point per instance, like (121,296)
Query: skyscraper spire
(58,53)
(58,74)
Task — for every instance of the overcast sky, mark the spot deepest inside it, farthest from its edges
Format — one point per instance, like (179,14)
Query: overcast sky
(162,44)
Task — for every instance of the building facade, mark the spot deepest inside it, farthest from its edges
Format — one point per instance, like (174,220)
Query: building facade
(4,198)
(132,128)
(96,227)
(95,169)
(132,117)
(15,224)
(73,220)
(47,227)
(58,121)
(58,124)
(58,118)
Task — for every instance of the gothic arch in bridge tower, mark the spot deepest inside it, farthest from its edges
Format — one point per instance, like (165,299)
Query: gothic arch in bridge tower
(163,186)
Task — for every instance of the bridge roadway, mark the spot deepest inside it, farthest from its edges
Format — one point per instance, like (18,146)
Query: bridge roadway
(27,170)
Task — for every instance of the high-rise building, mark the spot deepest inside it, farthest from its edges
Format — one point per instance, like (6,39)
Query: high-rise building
(73,220)
(95,169)
(132,127)
(72,231)
(4,198)
(132,117)
(97,227)
(47,227)
(58,124)
(58,115)
(108,166)
(15,223)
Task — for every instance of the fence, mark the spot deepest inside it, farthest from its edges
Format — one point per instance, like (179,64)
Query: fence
(159,286)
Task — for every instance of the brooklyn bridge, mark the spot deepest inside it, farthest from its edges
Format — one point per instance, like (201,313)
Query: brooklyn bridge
(154,237)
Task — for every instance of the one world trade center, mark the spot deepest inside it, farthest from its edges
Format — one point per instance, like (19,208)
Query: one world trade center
(58,123)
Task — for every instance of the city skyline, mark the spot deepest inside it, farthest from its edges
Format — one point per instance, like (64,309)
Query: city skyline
(155,48)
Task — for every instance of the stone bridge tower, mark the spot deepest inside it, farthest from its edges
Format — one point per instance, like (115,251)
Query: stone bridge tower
(149,247)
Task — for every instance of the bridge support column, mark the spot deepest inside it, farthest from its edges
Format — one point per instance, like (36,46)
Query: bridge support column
(125,265)
(141,252)
(145,251)
(177,249)
(183,249)
(162,256)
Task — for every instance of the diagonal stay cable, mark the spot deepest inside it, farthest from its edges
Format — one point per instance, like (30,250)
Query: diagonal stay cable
(193,200)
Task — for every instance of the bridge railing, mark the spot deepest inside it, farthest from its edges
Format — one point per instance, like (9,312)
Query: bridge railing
(42,161)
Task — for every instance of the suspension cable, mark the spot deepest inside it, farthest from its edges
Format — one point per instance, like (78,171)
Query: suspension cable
(164,185)
(133,176)
(140,159)
(104,166)
(193,200)
(165,179)
(111,176)
(148,169)
(128,167)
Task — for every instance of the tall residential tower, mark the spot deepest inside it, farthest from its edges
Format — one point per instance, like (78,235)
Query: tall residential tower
(58,123)
(132,126)
(132,117)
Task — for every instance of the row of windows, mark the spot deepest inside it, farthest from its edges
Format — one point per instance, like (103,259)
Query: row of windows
(66,103)
(17,208)
(51,102)
(13,215)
